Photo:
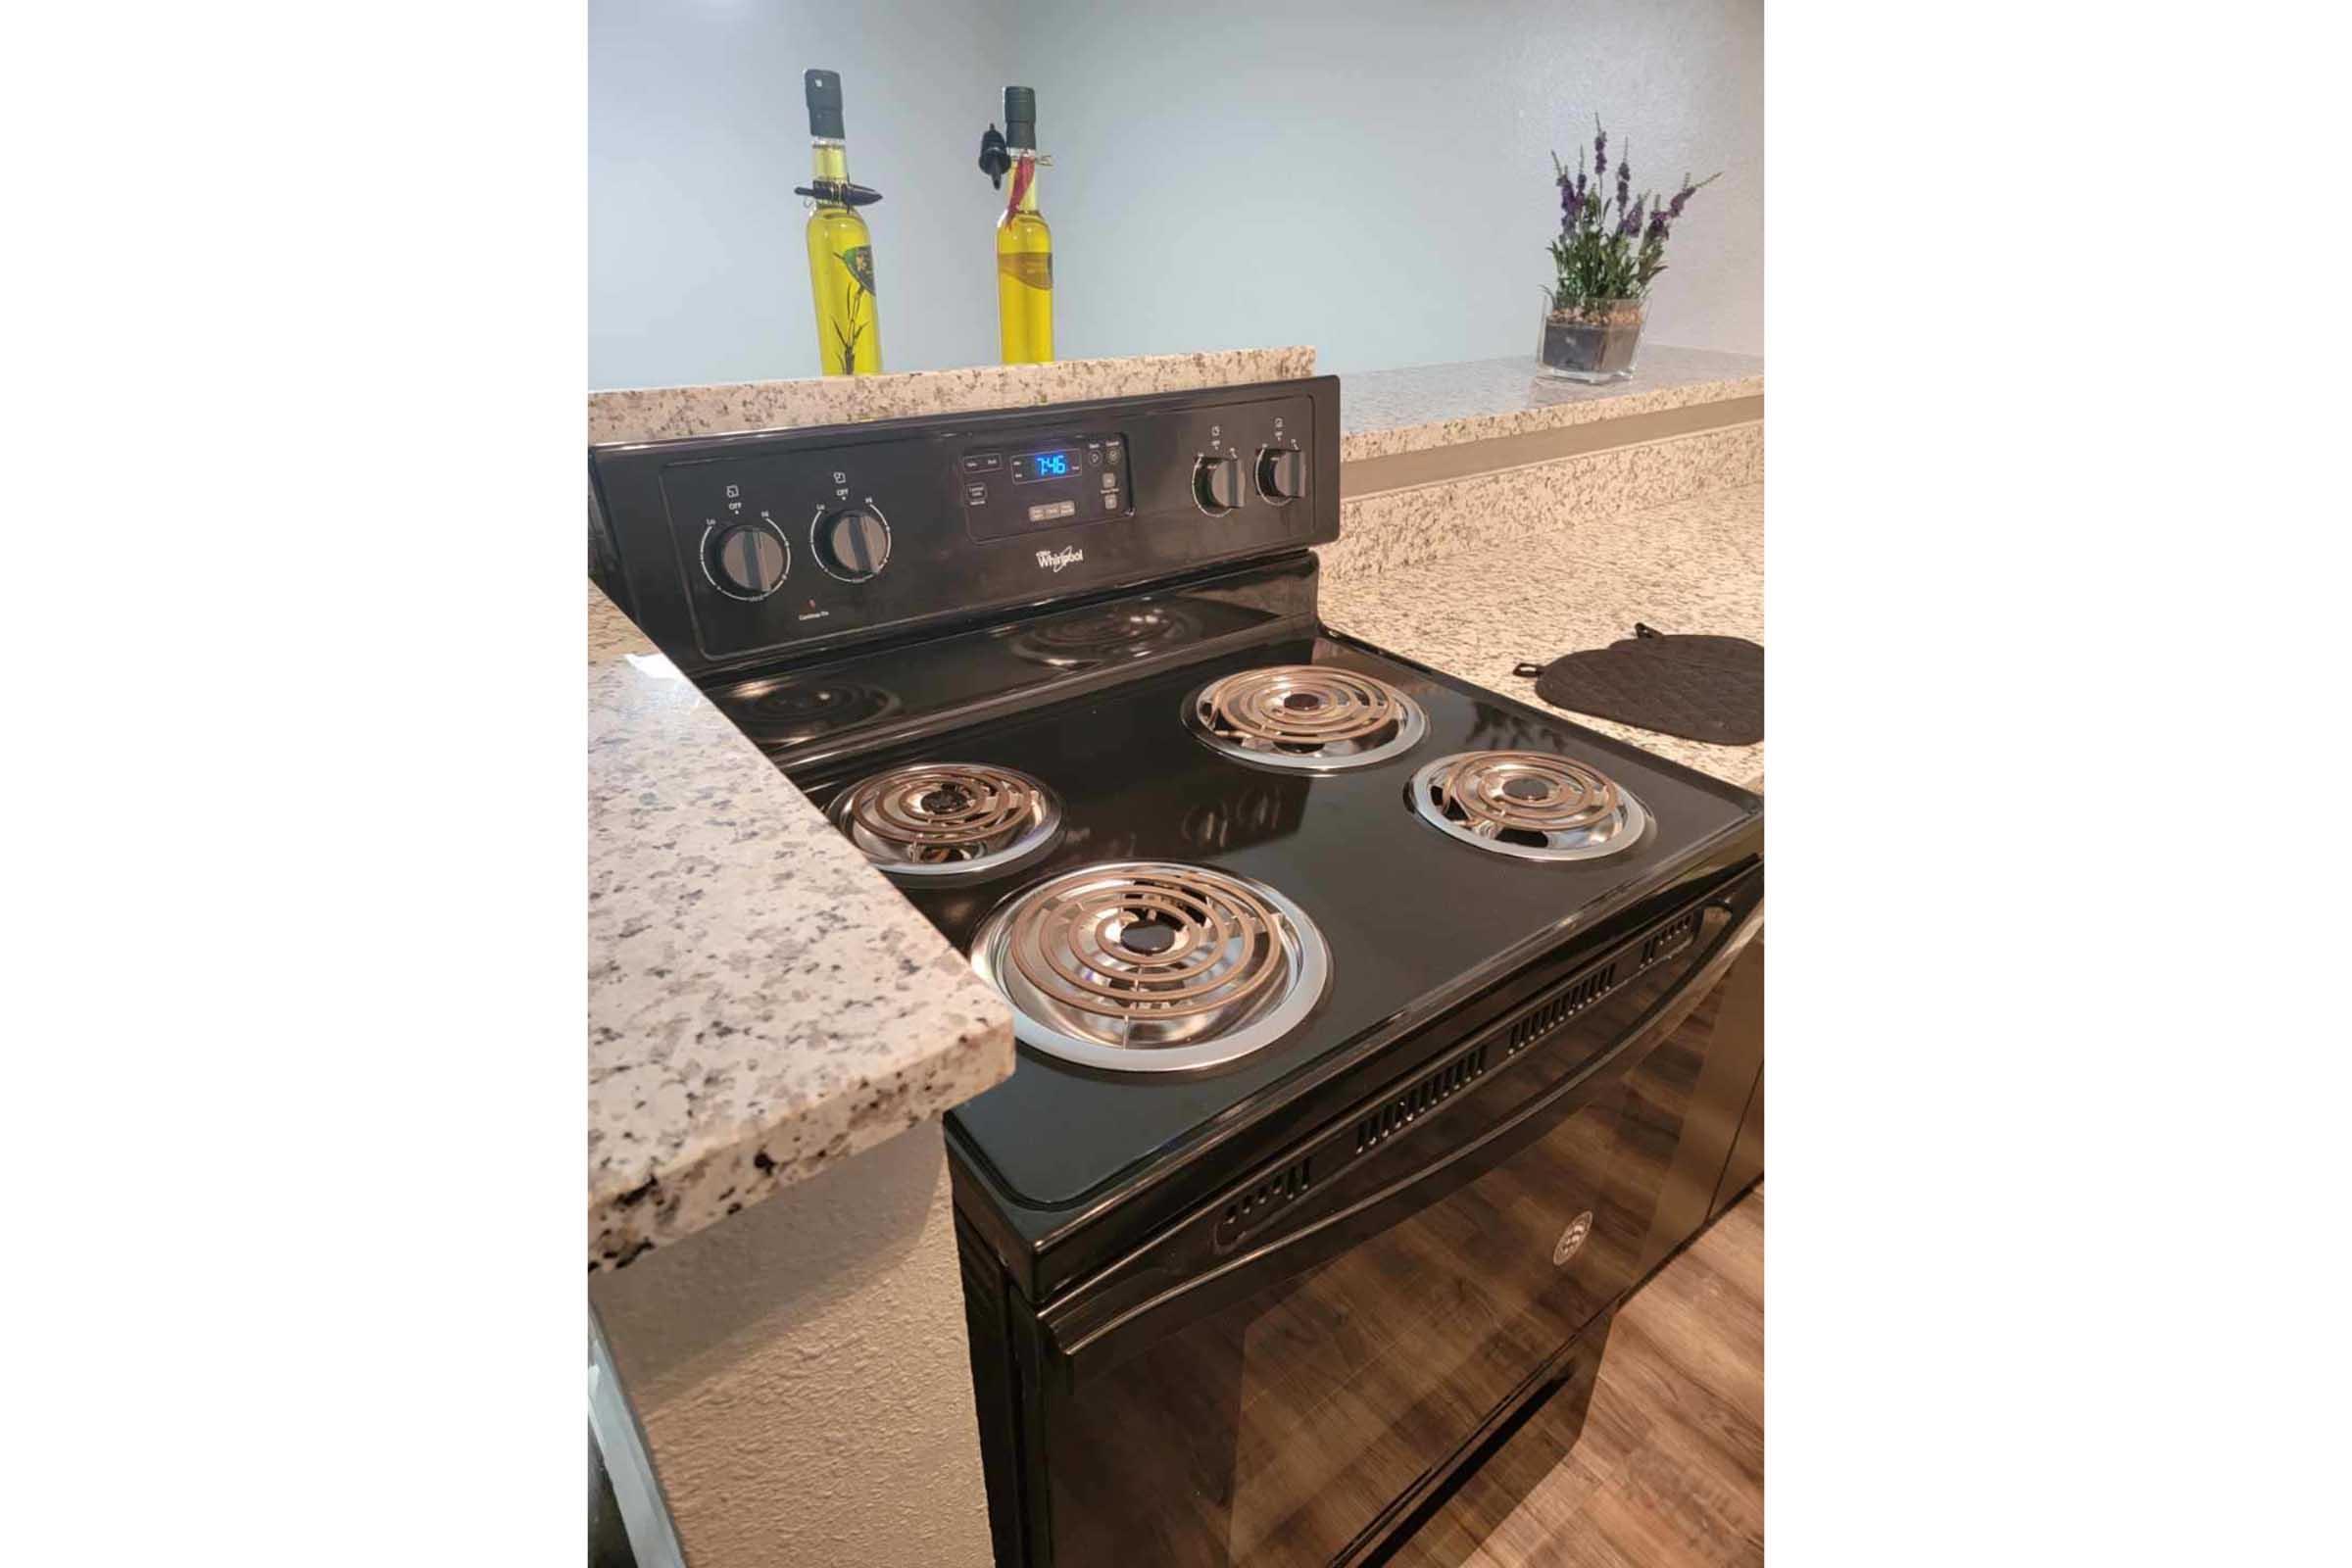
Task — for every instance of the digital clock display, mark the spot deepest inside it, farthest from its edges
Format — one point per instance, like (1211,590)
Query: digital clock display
(1058,464)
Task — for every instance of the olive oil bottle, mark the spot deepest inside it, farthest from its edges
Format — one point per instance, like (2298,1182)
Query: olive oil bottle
(1024,245)
(841,253)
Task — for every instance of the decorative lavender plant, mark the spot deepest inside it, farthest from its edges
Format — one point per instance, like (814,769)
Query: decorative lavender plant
(1609,249)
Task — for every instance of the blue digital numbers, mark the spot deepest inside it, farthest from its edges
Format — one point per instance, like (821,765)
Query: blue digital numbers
(1061,464)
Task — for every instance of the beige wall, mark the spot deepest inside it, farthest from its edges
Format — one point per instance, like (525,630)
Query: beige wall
(801,1373)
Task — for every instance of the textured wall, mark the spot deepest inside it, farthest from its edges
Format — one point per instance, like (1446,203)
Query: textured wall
(1371,177)
(801,1373)
(1374,177)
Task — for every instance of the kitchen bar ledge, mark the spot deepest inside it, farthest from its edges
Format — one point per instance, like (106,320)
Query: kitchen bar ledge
(762,1002)
(1430,423)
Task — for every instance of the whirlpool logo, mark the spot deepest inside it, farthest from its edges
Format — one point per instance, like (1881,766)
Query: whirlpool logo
(1056,560)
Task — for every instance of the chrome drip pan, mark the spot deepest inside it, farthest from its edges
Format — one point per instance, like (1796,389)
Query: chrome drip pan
(1151,967)
(1316,718)
(1533,805)
(934,819)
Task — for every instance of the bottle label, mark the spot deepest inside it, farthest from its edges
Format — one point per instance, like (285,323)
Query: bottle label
(860,260)
(1034,268)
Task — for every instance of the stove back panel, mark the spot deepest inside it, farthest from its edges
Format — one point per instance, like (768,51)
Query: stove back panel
(970,516)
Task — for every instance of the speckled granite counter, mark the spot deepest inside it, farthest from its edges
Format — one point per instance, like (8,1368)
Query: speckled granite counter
(762,1002)
(655,413)
(1696,566)
(1383,413)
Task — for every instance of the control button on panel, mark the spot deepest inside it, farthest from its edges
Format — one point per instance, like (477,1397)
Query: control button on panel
(984,463)
(1114,450)
(1217,482)
(853,543)
(1281,473)
(745,559)
(976,494)
(1048,510)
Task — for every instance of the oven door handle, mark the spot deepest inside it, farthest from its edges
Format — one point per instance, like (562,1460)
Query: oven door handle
(1089,1340)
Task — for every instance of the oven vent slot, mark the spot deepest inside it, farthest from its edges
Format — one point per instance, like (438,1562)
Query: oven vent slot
(1418,1101)
(1539,1022)
(1255,1207)
(1671,937)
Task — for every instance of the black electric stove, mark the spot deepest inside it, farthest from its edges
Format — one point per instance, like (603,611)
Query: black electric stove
(1365,1016)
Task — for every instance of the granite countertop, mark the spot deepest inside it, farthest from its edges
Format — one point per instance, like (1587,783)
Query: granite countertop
(1695,565)
(1383,413)
(653,414)
(762,1002)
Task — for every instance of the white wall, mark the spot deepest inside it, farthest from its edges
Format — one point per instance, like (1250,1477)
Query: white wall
(698,130)
(1226,173)
(802,1376)
(1238,172)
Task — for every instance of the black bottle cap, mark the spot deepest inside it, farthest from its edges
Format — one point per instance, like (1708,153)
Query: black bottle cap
(1020,117)
(824,103)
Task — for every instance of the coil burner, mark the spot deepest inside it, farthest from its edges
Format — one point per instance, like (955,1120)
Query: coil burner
(1317,718)
(1104,636)
(791,713)
(1533,805)
(937,819)
(1150,967)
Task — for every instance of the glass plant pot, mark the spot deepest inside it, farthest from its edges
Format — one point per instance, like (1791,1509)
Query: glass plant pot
(1588,340)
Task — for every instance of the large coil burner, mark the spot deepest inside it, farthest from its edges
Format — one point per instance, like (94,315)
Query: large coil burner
(1533,805)
(1316,718)
(934,819)
(1151,967)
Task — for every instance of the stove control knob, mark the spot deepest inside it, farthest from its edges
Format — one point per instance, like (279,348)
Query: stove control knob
(1281,473)
(1217,482)
(746,561)
(853,543)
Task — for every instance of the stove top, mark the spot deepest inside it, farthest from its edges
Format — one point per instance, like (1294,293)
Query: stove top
(1058,673)
(1409,909)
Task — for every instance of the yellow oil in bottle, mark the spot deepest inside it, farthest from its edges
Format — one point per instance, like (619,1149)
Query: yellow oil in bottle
(841,273)
(1024,273)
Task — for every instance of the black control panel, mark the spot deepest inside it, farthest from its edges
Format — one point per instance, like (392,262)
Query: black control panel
(734,550)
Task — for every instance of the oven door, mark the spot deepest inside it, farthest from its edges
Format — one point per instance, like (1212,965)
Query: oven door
(1287,1390)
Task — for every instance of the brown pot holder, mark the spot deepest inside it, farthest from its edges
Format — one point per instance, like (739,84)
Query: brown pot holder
(1700,688)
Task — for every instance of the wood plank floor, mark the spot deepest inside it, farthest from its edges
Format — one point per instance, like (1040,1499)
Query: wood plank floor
(1657,1462)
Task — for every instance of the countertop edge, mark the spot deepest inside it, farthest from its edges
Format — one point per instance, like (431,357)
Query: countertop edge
(763,1160)
(1734,376)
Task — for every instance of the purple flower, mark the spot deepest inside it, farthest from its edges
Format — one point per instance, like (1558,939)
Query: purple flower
(1630,223)
(1624,182)
(1600,151)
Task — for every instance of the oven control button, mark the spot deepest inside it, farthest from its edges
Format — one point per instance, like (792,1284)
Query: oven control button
(746,561)
(853,543)
(1281,473)
(1217,482)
